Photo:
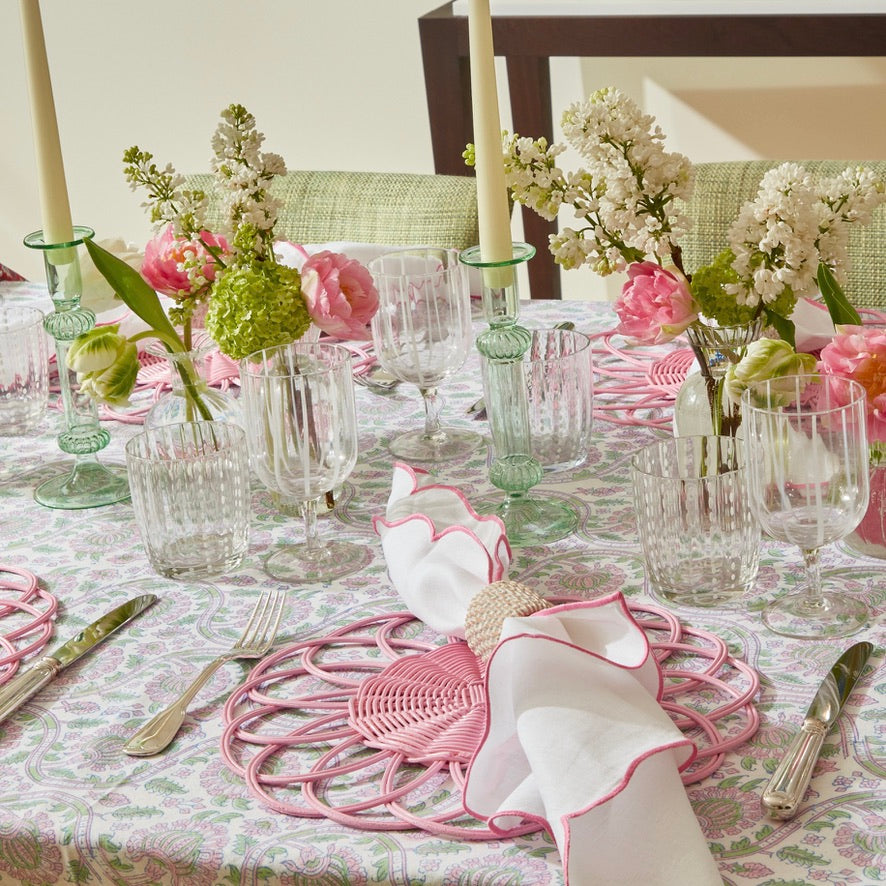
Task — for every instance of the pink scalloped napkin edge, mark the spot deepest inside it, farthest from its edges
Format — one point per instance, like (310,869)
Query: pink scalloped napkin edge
(576,738)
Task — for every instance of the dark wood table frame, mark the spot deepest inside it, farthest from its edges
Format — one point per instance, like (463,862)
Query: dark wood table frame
(529,42)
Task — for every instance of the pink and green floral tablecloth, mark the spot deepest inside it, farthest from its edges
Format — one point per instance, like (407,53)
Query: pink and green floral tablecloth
(75,809)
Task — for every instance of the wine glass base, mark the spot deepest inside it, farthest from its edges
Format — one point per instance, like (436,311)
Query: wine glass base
(449,443)
(89,484)
(832,615)
(298,563)
(530,521)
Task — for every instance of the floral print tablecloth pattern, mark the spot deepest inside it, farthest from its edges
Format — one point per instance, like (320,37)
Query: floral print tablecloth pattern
(75,809)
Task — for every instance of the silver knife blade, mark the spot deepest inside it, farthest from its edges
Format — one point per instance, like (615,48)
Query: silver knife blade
(18,690)
(788,784)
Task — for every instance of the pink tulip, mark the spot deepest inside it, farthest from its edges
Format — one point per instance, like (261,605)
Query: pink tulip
(859,353)
(165,255)
(339,293)
(655,305)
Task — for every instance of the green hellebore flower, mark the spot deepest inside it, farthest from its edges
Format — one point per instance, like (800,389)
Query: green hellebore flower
(764,359)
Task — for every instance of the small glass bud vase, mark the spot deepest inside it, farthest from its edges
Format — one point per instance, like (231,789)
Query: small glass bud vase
(700,408)
(191,397)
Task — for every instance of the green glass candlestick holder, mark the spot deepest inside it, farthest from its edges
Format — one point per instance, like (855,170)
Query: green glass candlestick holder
(88,484)
(528,519)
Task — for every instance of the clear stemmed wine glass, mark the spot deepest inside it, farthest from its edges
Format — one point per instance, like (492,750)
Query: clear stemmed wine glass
(807,463)
(301,426)
(422,335)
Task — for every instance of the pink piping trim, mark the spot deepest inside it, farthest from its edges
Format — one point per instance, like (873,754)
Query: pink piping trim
(598,603)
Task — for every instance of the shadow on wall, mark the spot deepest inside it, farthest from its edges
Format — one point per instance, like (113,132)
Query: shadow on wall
(824,123)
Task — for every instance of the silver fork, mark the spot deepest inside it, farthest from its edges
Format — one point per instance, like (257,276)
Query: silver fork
(256,640)
(377,380)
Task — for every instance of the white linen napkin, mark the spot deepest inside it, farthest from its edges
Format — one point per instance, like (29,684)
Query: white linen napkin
(575,736)
(439,551)
(576,739)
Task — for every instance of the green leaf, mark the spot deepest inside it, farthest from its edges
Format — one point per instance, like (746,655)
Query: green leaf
(132,288)
(783,326)
(841,311)
(801,856)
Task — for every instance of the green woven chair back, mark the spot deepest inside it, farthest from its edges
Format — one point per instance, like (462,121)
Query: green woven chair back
(388,208)
(720,190)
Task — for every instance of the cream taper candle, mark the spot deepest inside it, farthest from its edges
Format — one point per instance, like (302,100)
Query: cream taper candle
(492,194)
(55,209)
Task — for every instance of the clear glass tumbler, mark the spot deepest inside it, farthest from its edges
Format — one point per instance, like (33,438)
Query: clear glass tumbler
(24,369)
(699,535)
(191,497)
(560,396)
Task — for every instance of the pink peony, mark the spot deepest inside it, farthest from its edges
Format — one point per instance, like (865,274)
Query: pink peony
(339,293)
(859,353)
(655,305)
(165,255)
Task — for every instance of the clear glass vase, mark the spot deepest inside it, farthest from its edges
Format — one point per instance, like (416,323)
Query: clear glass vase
(700,407)
(191,398)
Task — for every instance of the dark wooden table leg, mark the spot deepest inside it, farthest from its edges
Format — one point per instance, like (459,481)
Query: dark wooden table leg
(448,87)
(529,82)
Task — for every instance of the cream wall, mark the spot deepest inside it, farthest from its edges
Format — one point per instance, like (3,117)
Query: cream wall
(333,85)
(339,85)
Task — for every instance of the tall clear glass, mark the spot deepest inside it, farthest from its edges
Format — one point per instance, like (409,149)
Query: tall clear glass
(422,335)
(301,425)
(807,462)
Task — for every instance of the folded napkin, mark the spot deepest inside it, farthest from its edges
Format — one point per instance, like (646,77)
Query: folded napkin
(575,737)
(439,551)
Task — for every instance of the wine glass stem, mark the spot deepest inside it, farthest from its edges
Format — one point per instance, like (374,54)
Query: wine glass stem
(813,576)
(312,535)
(433,428)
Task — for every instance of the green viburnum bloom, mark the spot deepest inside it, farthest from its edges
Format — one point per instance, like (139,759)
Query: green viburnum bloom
(707,289)
(768,358)
(106,364)
(256,306)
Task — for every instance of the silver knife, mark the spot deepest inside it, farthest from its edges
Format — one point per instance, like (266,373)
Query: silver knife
(788,784)
(18,690)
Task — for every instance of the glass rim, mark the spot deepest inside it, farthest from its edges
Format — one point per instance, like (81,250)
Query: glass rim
(472,256)
(259,359)
(453,264)
(238,433)
(35,239)
(32,317)
(858,394)
(736,444)
(583,338)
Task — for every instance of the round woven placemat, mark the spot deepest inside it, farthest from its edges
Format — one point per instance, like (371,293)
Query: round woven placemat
(373,725)
(26,618)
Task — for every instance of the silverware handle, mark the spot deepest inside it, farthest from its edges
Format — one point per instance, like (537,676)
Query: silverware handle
(19,689)
(161,729)
(788,784)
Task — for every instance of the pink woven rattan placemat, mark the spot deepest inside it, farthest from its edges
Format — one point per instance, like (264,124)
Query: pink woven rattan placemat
(374,724)
(26,618)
